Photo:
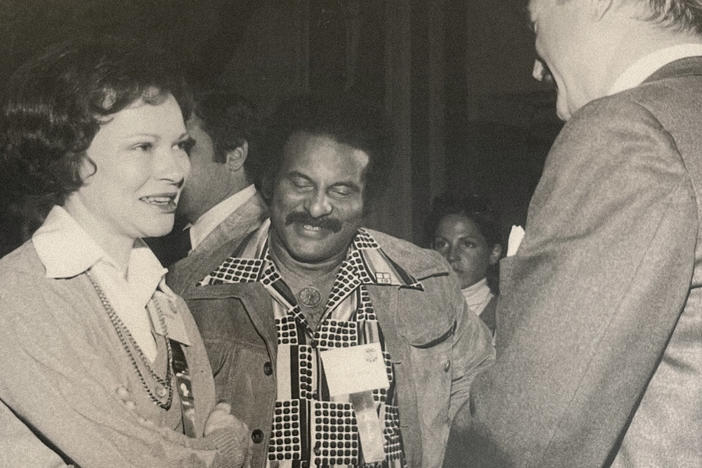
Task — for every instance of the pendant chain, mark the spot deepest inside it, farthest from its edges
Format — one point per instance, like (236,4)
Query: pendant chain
(126,338)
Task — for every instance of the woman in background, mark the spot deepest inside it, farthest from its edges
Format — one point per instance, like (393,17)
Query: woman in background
(467,233)
(102,365)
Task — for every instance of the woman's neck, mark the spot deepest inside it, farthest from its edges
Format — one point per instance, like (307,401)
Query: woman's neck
(118,246)
(475,287)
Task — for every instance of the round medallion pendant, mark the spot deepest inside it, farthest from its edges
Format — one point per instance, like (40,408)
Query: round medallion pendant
(161,391)
(309,297)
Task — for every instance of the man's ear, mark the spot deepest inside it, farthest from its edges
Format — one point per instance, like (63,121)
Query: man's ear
(236,158)
(267,182)
(495,254)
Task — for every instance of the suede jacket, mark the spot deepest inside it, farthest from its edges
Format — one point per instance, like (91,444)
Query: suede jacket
(436,343)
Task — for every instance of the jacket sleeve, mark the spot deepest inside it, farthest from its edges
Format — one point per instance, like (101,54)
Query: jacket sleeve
(472,353)
(592,296)
(56,397)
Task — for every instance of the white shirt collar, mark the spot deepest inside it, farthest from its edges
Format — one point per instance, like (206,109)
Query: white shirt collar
(218,213)
(477,295)
(648,64)
(66,250)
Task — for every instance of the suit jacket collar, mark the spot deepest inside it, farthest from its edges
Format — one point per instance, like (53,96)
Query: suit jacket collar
(689,66)
(187,271)
(240,222)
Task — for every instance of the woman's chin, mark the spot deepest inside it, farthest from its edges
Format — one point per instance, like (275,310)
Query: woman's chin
(158,230)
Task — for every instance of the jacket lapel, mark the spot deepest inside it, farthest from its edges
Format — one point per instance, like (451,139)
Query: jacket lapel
(237,225)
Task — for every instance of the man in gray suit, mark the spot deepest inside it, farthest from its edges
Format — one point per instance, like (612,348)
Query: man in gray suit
(219,201)
(600,344)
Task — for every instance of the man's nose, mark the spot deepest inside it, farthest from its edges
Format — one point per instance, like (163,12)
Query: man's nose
(542,73)
(318,205)
(538,71)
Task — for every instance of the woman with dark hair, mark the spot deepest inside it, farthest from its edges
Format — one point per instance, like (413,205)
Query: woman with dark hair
(467,233)
(102,364)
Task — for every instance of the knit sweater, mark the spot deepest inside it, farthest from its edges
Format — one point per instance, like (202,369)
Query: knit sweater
(60,366)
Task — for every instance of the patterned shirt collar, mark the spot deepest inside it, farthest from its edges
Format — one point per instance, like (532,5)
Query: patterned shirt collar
(365,263)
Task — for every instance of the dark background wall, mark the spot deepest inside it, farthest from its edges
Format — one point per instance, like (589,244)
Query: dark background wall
(455,76)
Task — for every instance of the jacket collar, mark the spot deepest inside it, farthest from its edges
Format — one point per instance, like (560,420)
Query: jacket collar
(647,65)
(689,66)
(246,216)
(366,262)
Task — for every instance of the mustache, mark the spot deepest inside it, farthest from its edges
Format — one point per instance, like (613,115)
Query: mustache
(331,224)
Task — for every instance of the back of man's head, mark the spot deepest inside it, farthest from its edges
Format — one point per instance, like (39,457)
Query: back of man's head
(224,158)
(680,15)
(230,120)
(345,119)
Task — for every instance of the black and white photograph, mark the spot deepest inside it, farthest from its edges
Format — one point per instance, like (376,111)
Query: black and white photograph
(351,233)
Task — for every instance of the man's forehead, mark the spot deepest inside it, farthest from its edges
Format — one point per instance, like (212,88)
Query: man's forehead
(320,147)
(533,6)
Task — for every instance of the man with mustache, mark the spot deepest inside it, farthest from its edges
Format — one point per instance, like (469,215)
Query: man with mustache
(336,344)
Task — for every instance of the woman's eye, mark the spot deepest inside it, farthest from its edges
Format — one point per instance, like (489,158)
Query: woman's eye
(143,146)
(186,145)
(468,244)
(439,244)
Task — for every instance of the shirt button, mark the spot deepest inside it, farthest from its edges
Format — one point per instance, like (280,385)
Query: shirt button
(447,366)
(268,368)
(257,436)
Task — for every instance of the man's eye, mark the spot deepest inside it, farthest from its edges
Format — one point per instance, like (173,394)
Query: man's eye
(342,191)
(300,183)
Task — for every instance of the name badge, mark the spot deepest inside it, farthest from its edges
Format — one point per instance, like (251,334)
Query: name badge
(355,369)
(175,328)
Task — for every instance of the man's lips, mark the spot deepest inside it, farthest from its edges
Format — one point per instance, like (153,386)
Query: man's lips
(309,231)
(310,224)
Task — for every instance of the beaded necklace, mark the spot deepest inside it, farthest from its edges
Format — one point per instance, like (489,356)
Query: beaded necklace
(164,386)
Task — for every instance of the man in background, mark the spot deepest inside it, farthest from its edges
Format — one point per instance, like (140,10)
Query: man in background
(219,201)
(336,344)
(601,312)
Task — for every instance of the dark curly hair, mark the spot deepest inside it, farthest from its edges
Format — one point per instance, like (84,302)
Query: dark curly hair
(54,105)
(341,117)
(230,120)
(474,207)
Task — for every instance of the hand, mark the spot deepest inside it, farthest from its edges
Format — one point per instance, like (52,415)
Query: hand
(221,418)
(126,398)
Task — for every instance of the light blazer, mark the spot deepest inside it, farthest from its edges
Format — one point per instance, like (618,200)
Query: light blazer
(242,221)
(245,219)
(600,320)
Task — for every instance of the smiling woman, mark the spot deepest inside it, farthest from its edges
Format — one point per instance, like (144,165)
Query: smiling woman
(466,232)
(102,363)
